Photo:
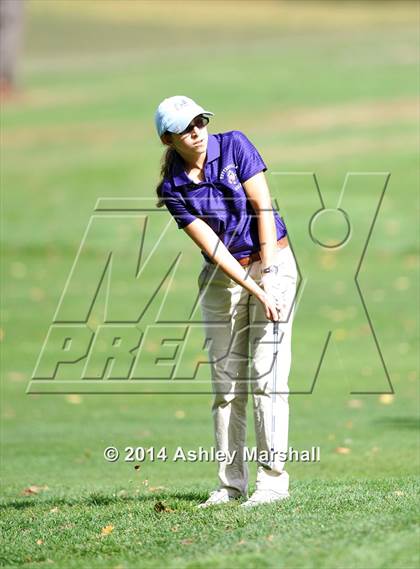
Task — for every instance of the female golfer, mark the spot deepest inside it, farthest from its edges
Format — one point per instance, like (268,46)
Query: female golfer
(215,188)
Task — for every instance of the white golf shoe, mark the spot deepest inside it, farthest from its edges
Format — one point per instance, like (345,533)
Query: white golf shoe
(271,487)
(221,496)
(264,497)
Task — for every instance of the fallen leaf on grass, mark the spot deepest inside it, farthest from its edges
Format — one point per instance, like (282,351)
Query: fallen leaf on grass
(242,542)
(328,261)
(402,283)
(343,450)
(156,488)
(355,403)
(399,493)
(174,529)
(74,398)
(34,489)
(187,541)
(270,537)
(107,530)
(386,399)
(143,434)
(9,414)
(54,510)
(15,376)
(340,334)
(160,507)
(36,294)
(18,270)
(39,541)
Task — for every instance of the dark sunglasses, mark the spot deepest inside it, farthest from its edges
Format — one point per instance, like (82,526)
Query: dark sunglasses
(200,122)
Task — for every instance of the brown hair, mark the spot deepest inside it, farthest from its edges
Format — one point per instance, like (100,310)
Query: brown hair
(167,163)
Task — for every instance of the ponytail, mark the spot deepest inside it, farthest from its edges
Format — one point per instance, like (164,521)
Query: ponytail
(168,160)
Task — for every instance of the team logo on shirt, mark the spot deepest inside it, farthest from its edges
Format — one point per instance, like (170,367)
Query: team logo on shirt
(229,172)
(232,177)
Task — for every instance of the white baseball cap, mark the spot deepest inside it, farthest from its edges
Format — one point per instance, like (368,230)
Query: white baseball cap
(175,114)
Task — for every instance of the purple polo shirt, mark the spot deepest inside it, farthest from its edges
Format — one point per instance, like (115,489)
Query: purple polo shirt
(221,200)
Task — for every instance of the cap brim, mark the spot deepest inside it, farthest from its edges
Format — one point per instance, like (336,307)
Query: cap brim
(181,127)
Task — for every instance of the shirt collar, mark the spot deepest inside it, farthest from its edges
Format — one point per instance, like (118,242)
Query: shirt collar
(213,148)
(213,151)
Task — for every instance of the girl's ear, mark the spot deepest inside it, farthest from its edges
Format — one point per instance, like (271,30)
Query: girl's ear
(166,138)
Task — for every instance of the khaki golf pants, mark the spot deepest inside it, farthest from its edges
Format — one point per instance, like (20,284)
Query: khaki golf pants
(240,342)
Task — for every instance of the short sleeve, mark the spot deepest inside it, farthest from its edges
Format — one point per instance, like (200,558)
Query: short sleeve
(249,161)
(178,209)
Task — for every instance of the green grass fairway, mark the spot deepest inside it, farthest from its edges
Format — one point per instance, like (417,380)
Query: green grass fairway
(326,88)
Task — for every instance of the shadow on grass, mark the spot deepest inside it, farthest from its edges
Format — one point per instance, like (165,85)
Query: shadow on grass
(99,499)
(400,422)
(354,492)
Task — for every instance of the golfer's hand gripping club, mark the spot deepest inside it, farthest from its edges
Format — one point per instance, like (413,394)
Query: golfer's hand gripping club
(271,285)
(270,306)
